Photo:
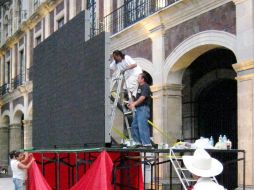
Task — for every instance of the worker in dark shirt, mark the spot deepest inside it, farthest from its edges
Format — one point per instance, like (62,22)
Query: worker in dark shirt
(139,127)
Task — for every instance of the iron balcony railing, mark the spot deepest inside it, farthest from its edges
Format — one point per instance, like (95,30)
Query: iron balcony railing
(131,12)
(5,88)
(18,80)
(15,82)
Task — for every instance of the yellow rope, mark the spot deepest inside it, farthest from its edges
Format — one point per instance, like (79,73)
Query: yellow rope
(158,129)
(119,133)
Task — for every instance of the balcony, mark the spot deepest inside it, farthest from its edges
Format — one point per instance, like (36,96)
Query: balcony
(130,13)
(18,80)
(5,89)
(15,83)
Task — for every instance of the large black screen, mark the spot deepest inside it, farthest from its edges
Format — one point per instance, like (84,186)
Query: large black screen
(69,88)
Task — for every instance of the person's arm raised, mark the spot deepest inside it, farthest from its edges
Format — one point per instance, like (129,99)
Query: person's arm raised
(25,160)
(23,166)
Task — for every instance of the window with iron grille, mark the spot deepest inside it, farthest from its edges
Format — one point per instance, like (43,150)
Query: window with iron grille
(38,40)
(91,7)
(8,72)
(60,22)
(135,10)
(21,67)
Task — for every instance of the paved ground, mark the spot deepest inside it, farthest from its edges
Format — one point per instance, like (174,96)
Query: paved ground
(6,184)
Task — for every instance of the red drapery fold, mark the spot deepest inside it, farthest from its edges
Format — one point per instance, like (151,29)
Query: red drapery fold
(99,175)
(36,180)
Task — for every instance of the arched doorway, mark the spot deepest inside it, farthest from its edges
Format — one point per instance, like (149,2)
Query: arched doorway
(17,131)
(217,113)
(209,103)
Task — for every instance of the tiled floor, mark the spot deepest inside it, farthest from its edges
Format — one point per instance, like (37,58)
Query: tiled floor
(6,184)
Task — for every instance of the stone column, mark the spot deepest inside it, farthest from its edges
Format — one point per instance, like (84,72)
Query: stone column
(27,134)
(72,9)
(173,112)
(245,98)
(167,107)
(15,136)
(159,109)
(28,54)
(245,82)
(158,57)
(4,144)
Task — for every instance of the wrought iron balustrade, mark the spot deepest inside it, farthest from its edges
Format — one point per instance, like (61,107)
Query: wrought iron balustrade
(5,88)
(131,12)
(18,80)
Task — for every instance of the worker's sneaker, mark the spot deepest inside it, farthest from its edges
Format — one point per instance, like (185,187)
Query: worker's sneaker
(137,144)
(147,145)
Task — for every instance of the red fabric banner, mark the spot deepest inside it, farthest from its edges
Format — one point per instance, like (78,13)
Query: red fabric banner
(36,180)
(97,172)
(99,175)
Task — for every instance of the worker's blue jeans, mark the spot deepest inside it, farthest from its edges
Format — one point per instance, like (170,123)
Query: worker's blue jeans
(139,127)
(19,184)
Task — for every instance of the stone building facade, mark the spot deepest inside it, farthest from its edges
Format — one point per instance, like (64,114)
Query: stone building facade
(199,54)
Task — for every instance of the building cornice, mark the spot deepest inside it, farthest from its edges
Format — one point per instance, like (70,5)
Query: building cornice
(245,65)
(16,93)
(238,1)
(15,125)
(30,23)
(245,77)
(27,123)
(173,87)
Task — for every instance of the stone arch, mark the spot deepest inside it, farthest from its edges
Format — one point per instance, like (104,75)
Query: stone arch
(5,115)
(17,118)
(191,48)
(210,78)
(17,128)
(17,113)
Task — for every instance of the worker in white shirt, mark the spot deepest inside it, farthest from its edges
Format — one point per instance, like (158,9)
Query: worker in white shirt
(19,165)
(125,64)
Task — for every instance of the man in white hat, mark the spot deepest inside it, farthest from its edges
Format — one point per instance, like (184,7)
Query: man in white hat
(203,167)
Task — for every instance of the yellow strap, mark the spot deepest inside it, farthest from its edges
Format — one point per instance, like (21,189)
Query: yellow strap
(158,129)
(119,133)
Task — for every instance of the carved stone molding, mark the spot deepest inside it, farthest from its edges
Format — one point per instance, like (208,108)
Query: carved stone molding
(238,1)
(27,123)
(245,65)
(16,93)
(174,87)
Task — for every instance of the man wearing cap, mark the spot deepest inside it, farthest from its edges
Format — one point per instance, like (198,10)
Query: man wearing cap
(139,127)
(203,167)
